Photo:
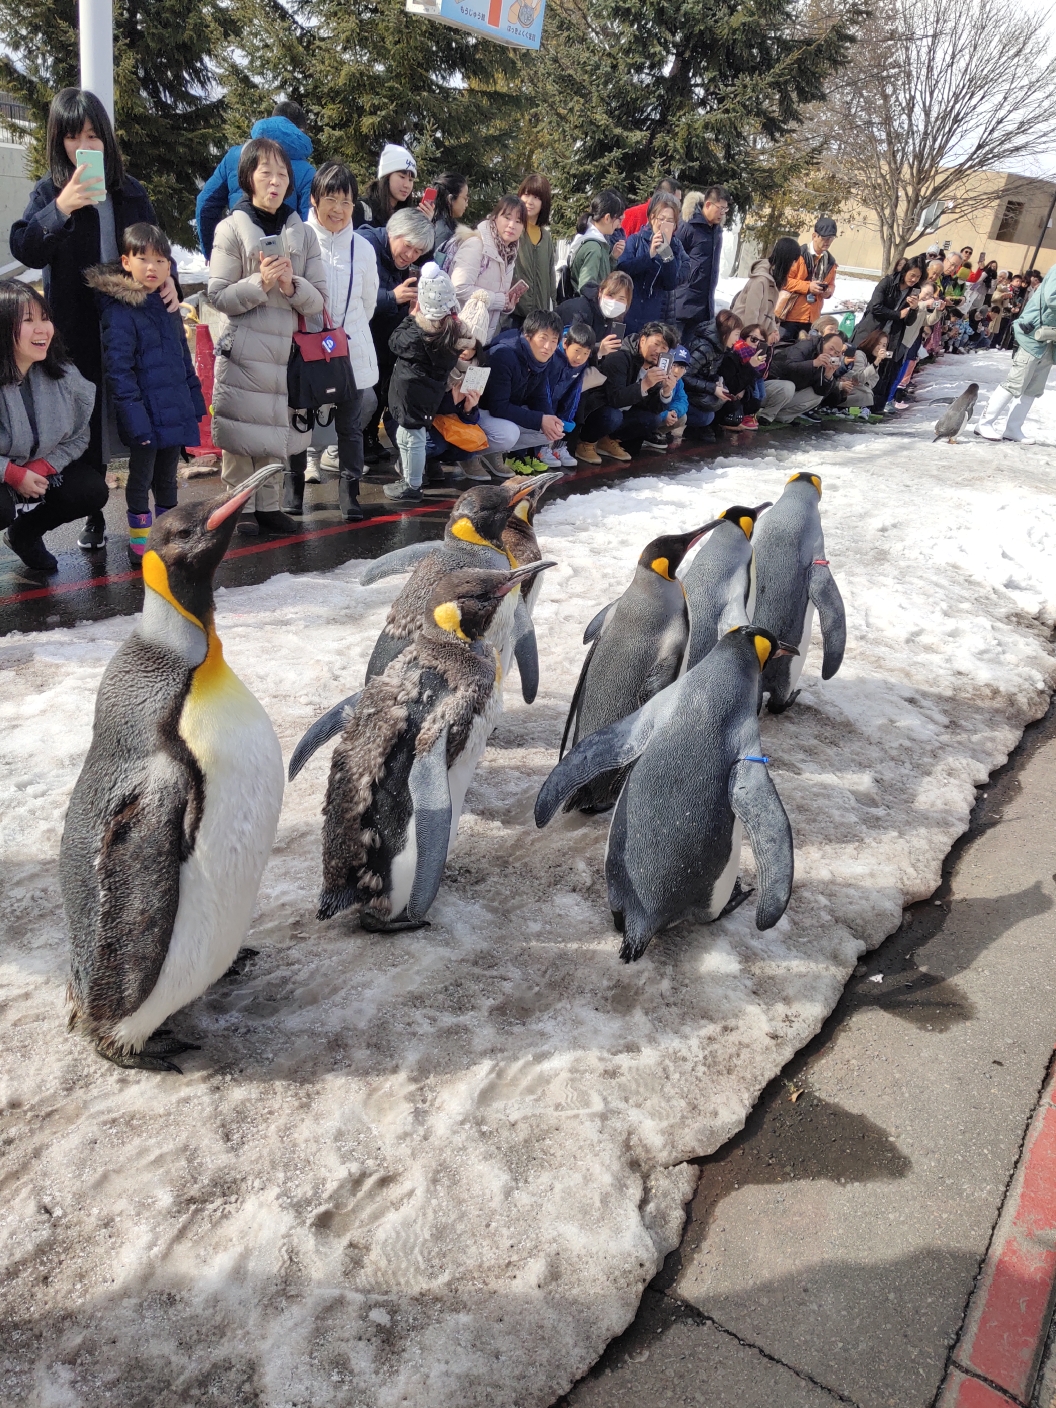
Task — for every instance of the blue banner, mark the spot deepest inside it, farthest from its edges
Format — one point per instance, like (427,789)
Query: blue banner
(518,23)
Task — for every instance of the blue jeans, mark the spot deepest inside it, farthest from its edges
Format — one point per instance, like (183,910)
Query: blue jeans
(698,419)
(603,421)
(411,445)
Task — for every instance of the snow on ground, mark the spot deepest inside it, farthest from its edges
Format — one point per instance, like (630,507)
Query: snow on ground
(439,1168)
(847,290)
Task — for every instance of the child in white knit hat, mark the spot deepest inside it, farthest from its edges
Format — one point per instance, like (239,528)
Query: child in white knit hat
(425,346)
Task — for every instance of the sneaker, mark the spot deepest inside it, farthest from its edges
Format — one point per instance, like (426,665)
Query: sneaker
(328,459)
(93,535)
(548,458)
(587,453)
(402,493)
(611,449)
(311,469)
(749,423)
(274,521)
(34,554)
(813,416)
(497,467)
(855,411)
(565,458)
(656,447)
(530,464)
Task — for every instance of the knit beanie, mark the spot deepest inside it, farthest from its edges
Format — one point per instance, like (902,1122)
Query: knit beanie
(395,158)
(436,293)
(475,317)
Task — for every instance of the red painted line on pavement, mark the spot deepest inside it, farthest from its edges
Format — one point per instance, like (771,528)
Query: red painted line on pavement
(964,1392)
(1009,1314)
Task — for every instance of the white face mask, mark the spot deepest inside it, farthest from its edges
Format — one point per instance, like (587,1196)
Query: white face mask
(612,307)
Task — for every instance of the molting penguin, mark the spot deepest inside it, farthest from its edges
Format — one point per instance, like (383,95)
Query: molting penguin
(697,777)
(472,539)
(953,420)
(720,581)
(407,754)
(518,537)
(636,649)
(792,578)
(174,813)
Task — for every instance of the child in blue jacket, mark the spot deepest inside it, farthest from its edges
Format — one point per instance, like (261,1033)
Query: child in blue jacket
(149,374)
(565,373)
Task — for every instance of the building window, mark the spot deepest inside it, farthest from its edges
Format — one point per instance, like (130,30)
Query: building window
(1010,220)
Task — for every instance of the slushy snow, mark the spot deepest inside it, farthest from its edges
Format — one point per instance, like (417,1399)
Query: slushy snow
(439,1168)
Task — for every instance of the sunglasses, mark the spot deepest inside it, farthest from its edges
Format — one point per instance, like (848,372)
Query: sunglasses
(756,341)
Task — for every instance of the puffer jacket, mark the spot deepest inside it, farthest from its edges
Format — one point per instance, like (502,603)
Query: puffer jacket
(388,314)
(222,190)
(477,264)
(654,279)
(756,301)
(149,372)
(346,255)
(706,353)
(419,378)
(250,411)
(702,241)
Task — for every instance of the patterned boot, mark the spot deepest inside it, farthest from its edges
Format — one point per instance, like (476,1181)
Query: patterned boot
(138,532)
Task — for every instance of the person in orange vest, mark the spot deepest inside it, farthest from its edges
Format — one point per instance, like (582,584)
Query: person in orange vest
(811,280)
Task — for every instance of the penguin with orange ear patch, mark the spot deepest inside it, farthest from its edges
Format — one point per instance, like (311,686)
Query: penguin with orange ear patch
(696,781)
(636,649)
(173,816)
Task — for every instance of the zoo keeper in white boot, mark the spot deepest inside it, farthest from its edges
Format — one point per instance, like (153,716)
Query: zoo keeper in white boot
(1035,330)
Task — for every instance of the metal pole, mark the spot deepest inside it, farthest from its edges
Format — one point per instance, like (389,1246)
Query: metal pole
(1044,227)
(97,50)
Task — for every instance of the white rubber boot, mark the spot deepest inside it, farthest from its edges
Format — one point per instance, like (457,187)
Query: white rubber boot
(1016,416)
(992,422)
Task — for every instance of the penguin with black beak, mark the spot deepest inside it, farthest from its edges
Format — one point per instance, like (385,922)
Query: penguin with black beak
(636,648)
(696,779)
(720,581)
(792,579)
(174,813)
(407,753)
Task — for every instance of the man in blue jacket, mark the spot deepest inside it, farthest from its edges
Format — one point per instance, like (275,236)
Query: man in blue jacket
(701,238)
(516,410)
(222,192)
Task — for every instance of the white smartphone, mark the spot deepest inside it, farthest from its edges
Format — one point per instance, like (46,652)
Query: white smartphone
(96,171)
(272,247)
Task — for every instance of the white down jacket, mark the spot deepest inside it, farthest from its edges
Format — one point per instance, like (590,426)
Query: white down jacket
(343,254)
(250,406)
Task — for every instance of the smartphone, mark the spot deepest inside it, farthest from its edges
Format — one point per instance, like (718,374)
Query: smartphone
(429,194)
(665,253)
(96,171)
(619,330)
(271,246)
(518,291)
(664,363)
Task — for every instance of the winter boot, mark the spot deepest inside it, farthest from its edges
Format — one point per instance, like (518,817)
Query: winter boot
(293,492)
(348,498)
(31,550)
(991,422)
(275,524)
(1016,416)
(434,474)
(475,471)
(496,468)
(138,532)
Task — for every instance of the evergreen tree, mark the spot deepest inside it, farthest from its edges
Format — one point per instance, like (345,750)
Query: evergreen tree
(168,120)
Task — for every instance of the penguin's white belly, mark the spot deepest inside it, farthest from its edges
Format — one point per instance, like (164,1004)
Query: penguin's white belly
(231,736)
(796,664)
(459,776)
(726,881)
(501,634)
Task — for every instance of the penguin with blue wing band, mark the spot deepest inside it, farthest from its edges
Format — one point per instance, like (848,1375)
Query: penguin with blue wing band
(720,581)
(695,782)
(174,813)
(407,754)
(792,581)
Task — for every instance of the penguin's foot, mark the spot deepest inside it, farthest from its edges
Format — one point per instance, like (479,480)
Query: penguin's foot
(165,1042)
(632,948)
(139,1060)
(775,706)
(239,964)
(376,924)
(737,898)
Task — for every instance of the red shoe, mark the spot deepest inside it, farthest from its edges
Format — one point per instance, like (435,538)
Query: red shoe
(749,423)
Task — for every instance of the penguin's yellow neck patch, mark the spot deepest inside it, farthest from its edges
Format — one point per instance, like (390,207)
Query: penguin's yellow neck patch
(762,649)
(463,529)
(798,478)
(156,577)
(746,527)
(448,617)
(661,567)
(521,511)
(213,669)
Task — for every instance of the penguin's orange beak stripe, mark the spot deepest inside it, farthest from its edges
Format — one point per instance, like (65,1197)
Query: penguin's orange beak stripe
(233,504)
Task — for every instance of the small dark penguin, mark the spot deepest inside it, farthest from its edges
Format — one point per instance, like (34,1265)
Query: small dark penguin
(953,420)
(174,813)
(407,754)
(472,539)
(636,649)
(792,578)
(518,537)
(720,581)
(696,778)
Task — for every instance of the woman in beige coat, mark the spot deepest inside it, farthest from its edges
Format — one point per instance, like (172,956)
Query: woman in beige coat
(260,297)
(756,301)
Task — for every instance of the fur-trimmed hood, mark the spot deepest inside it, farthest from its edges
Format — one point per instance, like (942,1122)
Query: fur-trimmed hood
(112,282)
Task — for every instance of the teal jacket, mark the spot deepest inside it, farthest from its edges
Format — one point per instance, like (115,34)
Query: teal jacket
(1040,312)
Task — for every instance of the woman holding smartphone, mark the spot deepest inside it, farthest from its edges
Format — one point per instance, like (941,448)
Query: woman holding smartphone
(656,262)
(486,260)
(71,223)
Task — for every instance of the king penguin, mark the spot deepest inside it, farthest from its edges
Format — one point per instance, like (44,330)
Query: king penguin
(720,581)
(792,578)
(408,750)
(636,649)
(174,813)
(472,539)
(697,777)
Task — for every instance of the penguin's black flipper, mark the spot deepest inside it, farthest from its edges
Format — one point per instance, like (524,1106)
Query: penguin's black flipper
(431,799)
(526,652)
(573,708)
(597,625)
(825,595)
(393,563)
(616,746)
(386,649)
(755,802)
(332,722)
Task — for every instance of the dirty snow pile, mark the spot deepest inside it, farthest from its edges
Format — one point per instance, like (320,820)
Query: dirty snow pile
(438,1169)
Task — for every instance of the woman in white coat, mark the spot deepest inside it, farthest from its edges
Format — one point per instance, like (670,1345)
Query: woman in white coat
(485,260)
(352,294)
